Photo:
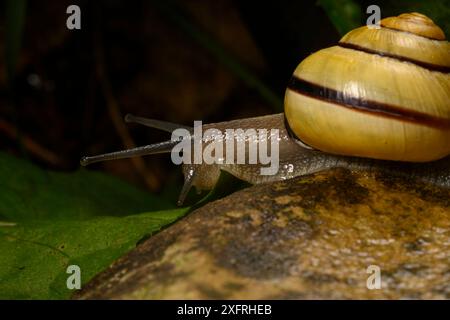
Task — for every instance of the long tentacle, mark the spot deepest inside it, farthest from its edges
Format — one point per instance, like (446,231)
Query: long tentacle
(161,147)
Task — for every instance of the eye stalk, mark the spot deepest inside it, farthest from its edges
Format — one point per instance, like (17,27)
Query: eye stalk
(156,124)
(161,147)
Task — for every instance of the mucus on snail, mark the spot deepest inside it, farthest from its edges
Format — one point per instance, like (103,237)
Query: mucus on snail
(380,97)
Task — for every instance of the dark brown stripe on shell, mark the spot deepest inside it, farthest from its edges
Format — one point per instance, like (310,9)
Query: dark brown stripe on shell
(372,107)
(426,65)
(408,32)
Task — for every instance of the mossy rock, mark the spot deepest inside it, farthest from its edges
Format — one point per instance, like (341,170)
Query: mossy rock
(311,237)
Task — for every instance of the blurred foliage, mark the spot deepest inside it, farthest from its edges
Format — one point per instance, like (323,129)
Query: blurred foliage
(15,21)
(56,220)
(345,14)
(171,11)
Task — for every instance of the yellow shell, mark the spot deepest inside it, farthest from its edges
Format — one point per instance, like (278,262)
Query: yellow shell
(380,93)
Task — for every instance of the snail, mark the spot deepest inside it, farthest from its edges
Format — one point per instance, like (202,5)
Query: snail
(380,97)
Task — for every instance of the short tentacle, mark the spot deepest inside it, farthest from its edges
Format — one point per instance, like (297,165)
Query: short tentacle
(157,124)
(189,177)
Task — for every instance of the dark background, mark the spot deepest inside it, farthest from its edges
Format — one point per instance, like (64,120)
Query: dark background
(178,61)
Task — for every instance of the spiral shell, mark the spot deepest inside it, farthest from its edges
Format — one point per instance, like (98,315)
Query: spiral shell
(380,93)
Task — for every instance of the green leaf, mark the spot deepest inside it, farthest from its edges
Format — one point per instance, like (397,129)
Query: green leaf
(51,220)
(27,192)
(34,256)
(344,14)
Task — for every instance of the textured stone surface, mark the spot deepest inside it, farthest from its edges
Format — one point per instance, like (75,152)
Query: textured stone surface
(305,238)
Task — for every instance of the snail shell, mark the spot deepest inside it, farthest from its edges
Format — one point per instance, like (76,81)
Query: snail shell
(380,93)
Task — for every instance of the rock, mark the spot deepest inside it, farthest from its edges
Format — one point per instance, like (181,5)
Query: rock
(312,237)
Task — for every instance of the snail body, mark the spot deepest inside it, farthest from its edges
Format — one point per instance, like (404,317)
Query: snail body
(296,159)
(380,94)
